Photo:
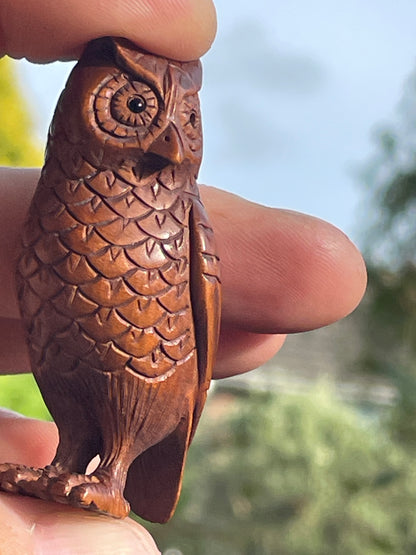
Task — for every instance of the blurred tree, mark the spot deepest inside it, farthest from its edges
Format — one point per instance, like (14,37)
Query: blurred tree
(17,144)
(19,392)
(293,475)
(18,147)
(389,313)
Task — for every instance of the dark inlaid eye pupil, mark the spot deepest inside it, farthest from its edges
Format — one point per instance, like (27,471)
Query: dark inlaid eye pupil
(136,104)
(192,119)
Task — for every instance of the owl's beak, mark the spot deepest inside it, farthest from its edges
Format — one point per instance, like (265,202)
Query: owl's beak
(169,145)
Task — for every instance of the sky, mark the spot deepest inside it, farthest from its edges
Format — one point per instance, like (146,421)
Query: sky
(293,93)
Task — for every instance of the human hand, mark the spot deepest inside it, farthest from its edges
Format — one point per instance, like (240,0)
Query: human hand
(282,272)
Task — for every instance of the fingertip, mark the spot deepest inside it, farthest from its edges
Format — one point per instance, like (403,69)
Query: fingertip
(315,276)
(331,277)
(339,280)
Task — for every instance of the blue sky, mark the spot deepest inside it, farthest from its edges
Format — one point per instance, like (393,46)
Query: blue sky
(292,95)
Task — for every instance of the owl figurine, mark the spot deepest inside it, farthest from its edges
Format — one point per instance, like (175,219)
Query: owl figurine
(118,284)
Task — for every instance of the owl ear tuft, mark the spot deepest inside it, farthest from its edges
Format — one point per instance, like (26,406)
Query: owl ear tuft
(138,62)
(151,68)
(101,49)
(194,71)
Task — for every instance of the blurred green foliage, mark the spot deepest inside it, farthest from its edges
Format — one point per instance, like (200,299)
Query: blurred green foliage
(388,315)
(295,475)
(21,394)
(17,146)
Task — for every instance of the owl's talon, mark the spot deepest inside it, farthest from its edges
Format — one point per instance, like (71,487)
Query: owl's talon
(59,488)
(9,487)
(100,498)
(20,479)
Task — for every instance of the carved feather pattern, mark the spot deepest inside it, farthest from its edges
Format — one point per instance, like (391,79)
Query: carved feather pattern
(110,270)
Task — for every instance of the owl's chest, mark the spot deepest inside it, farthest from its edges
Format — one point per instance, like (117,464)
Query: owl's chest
(117,266)
(102,216)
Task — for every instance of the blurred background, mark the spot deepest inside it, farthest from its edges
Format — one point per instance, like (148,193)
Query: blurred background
(312,107)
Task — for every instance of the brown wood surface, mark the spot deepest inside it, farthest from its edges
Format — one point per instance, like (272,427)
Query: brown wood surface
(118,284)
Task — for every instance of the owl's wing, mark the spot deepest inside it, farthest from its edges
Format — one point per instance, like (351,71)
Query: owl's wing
(155,477)
(206,300)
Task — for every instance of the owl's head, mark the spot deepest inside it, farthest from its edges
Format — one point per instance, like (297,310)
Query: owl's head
(127,106)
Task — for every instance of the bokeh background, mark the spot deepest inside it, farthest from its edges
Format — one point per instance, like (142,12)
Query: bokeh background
(309,106)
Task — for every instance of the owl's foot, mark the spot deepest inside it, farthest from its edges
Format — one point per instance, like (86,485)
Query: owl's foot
(100,496)
(93,492)
(15,477)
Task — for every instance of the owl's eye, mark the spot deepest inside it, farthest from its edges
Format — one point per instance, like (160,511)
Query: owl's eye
(135,104)
(192,119)
(125,108)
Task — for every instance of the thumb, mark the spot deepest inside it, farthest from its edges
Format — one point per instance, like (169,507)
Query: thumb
(29,526)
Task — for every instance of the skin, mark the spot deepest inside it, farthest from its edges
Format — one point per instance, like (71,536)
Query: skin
(282,272)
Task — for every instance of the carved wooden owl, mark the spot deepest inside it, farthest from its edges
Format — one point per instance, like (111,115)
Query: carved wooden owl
(118,284)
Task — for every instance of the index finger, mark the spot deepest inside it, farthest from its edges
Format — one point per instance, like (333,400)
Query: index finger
(282,271)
